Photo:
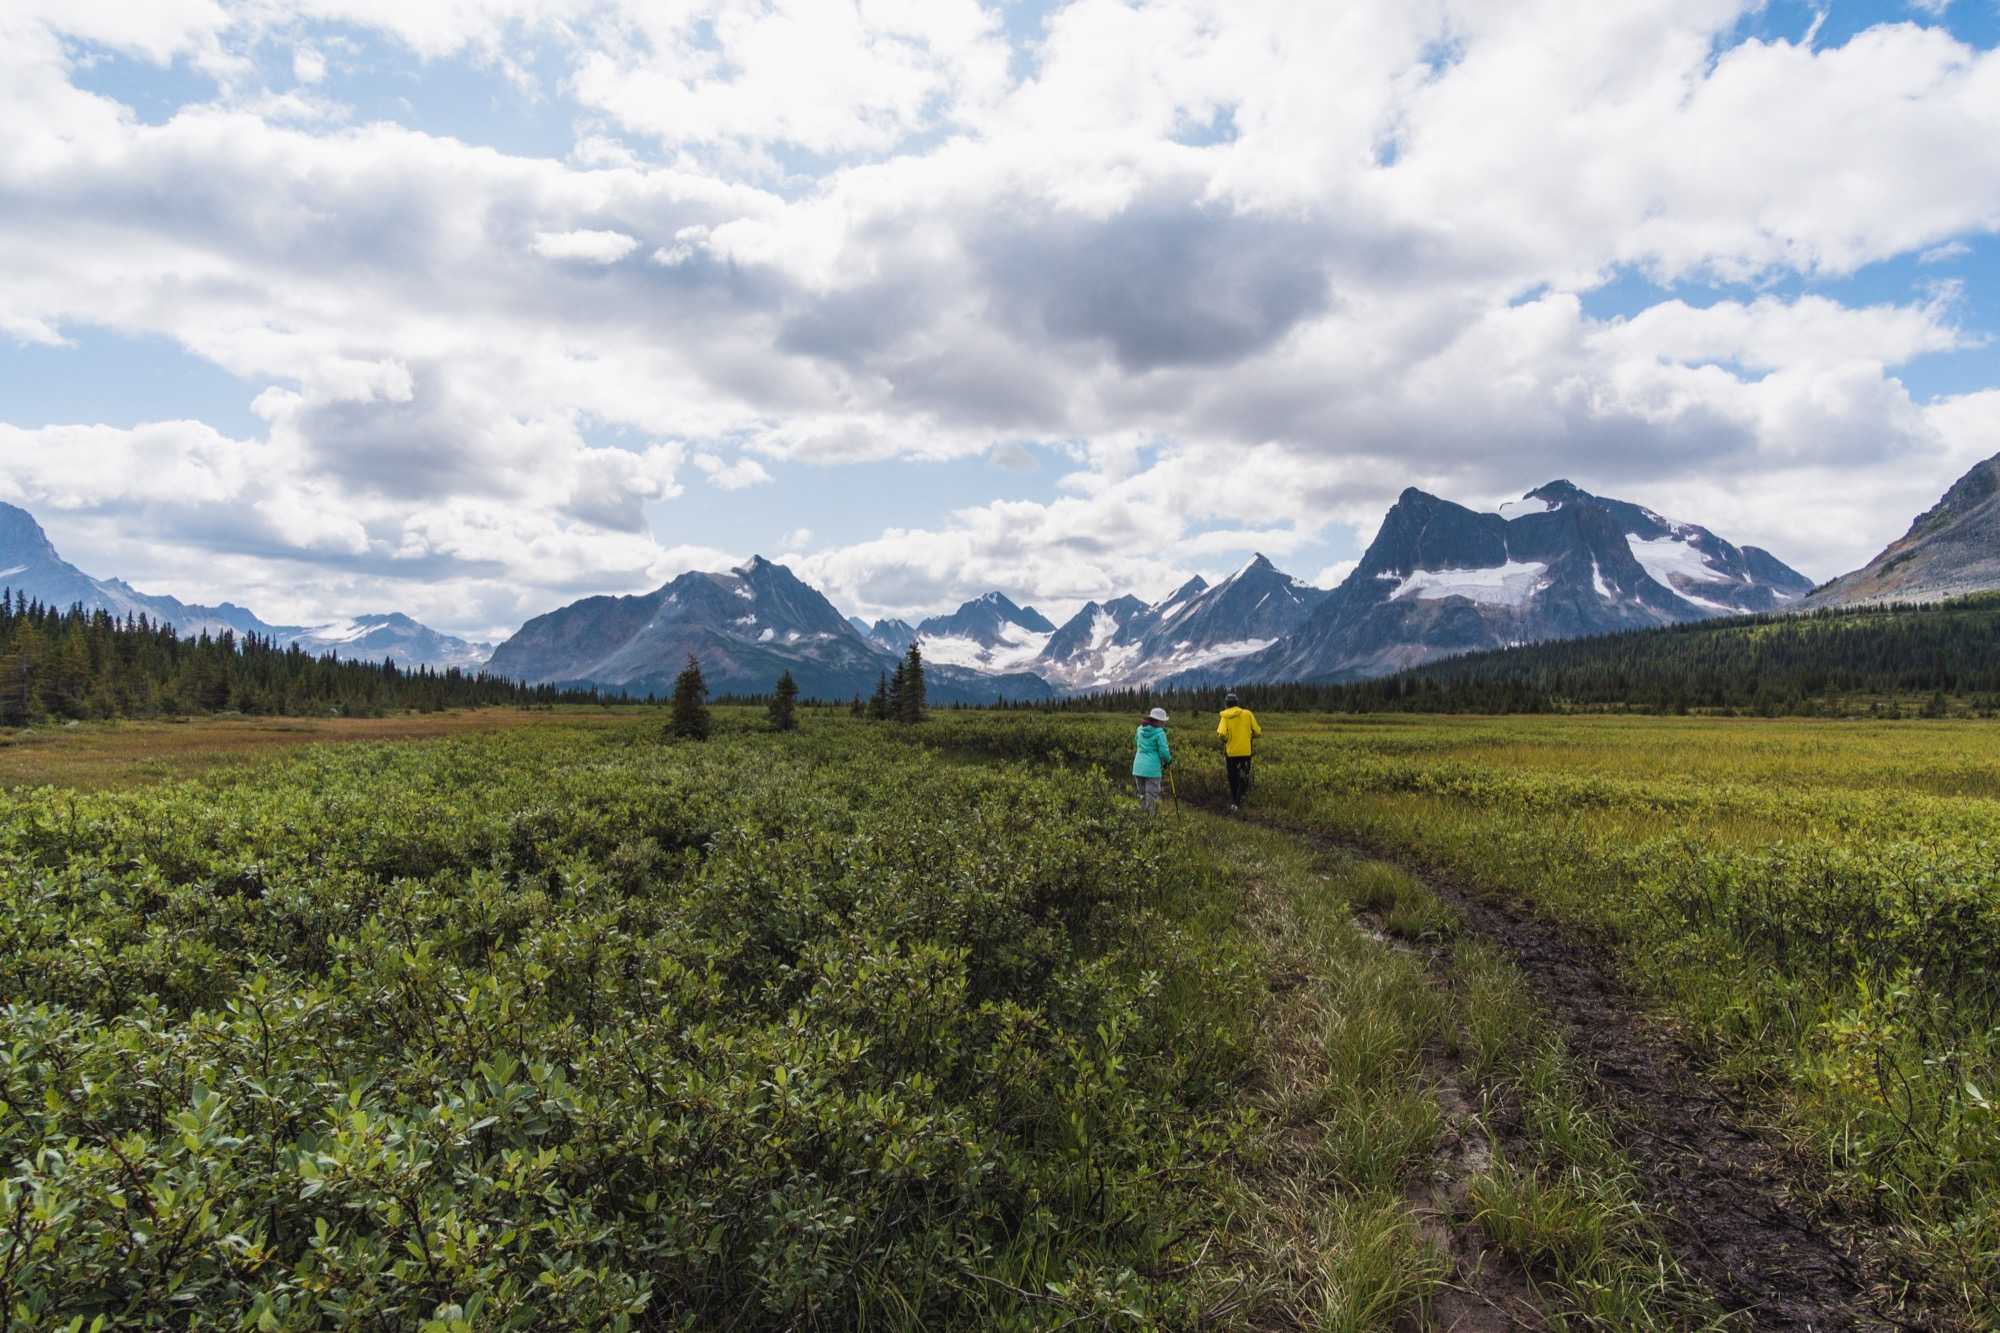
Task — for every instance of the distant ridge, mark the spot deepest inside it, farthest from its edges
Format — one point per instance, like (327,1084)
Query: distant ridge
(30,565)
(746,626)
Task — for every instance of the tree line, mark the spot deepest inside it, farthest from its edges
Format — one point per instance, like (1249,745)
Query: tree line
(76,663)
(1937,658)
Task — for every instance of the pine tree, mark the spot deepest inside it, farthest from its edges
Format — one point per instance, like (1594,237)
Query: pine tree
(878,706)
(893,706)
(783,702)
(859,709)
(69,672)
(20,671)
(910,703)
(689,719)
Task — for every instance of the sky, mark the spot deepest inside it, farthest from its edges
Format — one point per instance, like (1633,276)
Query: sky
(469,308)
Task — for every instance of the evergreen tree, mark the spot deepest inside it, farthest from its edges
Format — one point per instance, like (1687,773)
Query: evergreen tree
(910,703)
(859,709)
(784,700)
(689,719)
(878,706)
(20,672)
(898,680)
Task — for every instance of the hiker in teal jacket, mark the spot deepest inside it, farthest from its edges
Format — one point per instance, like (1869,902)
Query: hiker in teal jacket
(1151,757)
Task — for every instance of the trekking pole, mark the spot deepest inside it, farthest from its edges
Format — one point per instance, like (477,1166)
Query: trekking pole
(1174,788)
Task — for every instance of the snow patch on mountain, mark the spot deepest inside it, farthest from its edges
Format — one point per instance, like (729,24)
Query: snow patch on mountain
(1604,589)
(1192,657)
(1008,652)
(1113,666)
(1682,569)
(1510,584)
(1533,504)
(343,633)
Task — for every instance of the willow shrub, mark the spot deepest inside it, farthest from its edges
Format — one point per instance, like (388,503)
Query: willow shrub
(546,1029)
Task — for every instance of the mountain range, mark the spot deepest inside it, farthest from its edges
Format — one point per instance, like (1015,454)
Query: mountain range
(745,626)
(31,567)
(1440,579)
(1197,628)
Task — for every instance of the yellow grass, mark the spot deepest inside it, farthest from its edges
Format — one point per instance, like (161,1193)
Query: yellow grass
(99,755)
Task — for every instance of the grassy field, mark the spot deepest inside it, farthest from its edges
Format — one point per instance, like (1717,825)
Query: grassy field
(1816,904)
(99,755)
(533,1021)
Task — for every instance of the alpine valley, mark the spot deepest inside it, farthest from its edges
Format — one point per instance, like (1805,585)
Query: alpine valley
(1438,580)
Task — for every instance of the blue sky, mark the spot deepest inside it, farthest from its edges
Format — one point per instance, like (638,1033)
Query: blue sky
(467,313)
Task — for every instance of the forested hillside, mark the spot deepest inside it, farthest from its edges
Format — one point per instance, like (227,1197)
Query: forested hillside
(1935,658)
(78,664)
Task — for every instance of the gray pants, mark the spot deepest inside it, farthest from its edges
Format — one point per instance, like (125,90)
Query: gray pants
(1149,792)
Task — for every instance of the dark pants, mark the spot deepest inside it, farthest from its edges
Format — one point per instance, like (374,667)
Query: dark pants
(1239,778)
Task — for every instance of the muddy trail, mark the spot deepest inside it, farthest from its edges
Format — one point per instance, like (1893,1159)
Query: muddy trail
(1728,1199)
(1488,1291)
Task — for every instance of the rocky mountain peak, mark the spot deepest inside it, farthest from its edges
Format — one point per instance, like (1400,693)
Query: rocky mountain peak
(22,541)
(1952,550)
(1966,494)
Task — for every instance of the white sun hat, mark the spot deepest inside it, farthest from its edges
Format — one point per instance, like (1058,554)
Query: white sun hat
(1158,715)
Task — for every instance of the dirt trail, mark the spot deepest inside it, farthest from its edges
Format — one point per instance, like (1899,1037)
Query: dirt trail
(1489,1293)
(1724,1194)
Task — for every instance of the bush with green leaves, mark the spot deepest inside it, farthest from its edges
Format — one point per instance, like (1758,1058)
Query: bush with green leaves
(554,1029)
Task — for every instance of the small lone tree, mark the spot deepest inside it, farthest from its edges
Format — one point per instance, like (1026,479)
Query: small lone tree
(878,706)
(860,709)
(910,703)
(689,719)
(783,702)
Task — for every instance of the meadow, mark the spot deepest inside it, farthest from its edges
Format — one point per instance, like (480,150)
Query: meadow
(1815,905)
(544,1022)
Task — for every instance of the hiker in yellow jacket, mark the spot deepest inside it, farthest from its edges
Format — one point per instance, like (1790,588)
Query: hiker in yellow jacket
(1238,728)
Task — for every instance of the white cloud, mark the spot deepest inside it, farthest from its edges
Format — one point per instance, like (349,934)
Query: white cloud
(308,65)
(826,76)
(732,476)
(1334,574)
(590,247)
(1321,251)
